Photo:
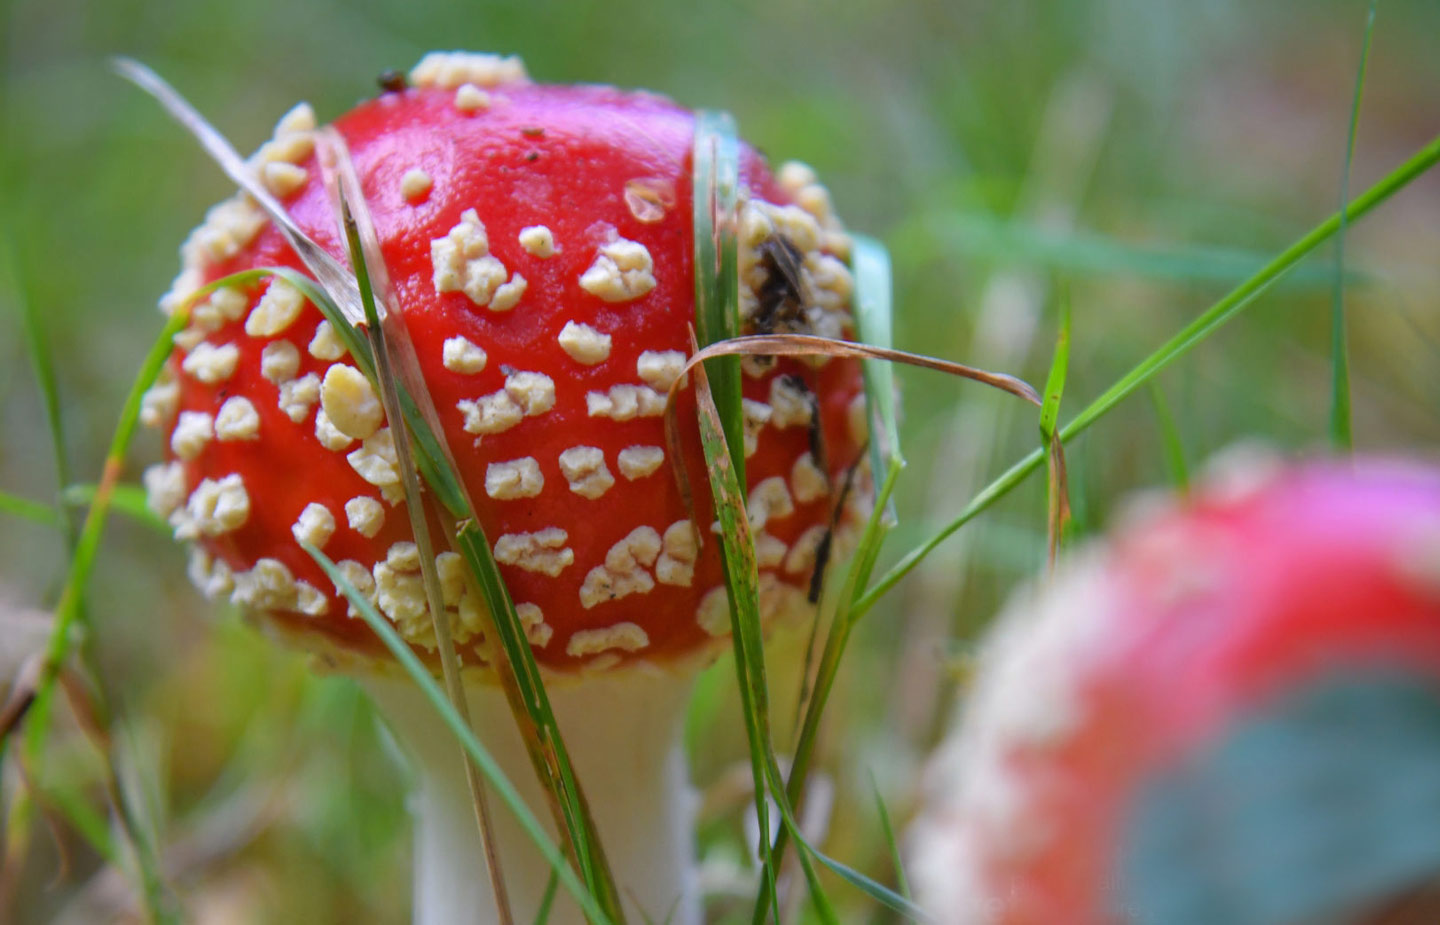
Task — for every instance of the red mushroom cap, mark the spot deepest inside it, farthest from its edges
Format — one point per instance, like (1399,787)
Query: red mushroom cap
(1145,660)
(539,239)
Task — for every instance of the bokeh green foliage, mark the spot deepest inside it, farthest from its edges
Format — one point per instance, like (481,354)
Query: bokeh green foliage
(1144,154)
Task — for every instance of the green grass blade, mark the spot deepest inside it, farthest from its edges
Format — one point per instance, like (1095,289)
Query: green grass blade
(24,508)
(542,737)
(1175,463)
(891,844)
(37,346)
(67,610)
(861,566)
(89,824)
(715,185)
(547,899)
(415,506)
(1341,436)
(876,891)
(1192,334)
(1010,243)
(552,762)
(874,324)
(398,376)
(1055,382)
(430,457)
(1057,502)
(126,499)
(418,673)
(742,584)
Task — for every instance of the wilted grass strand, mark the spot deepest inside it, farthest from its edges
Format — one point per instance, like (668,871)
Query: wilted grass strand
(1192,334)
(1341,434)
(416,670)
(542,735)
(90,825)
(806,345)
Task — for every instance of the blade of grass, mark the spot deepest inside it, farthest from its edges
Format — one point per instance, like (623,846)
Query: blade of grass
(742,584)
(542,734)
(803,345)
(24,508)
(335,278)
(1014,243)
(874,325)
(841,625)
(715,185)
(1177,346)
(37,347)
(875,891)
(738,555)
(1341,436)
(361,259)
(523,686)
(68,609)
(1057,502)
(872,276)
(888,831)
(420,675)
(520,678)
(1170,438)
(547,899)
(126,499)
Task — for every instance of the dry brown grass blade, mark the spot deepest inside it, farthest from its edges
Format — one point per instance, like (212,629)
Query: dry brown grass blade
(798,345)
(54,822)
(22,694)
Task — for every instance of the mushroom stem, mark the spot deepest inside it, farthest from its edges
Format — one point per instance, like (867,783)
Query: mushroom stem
(623,733)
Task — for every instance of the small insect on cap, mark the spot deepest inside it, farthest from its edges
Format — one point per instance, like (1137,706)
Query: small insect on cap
(1209,718)
(539,242)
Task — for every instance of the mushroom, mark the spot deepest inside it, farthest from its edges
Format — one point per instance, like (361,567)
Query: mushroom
(1226,713)
(539,240)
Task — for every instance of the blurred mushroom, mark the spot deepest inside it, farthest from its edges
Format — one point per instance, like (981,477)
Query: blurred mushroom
(1229,712)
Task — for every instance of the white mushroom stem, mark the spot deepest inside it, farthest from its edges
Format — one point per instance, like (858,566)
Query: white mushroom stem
(623,733)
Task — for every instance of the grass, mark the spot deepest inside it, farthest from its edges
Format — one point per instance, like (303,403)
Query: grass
(1126,298)
(1342,435)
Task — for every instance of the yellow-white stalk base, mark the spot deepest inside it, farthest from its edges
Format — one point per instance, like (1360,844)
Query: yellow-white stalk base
(623,733)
